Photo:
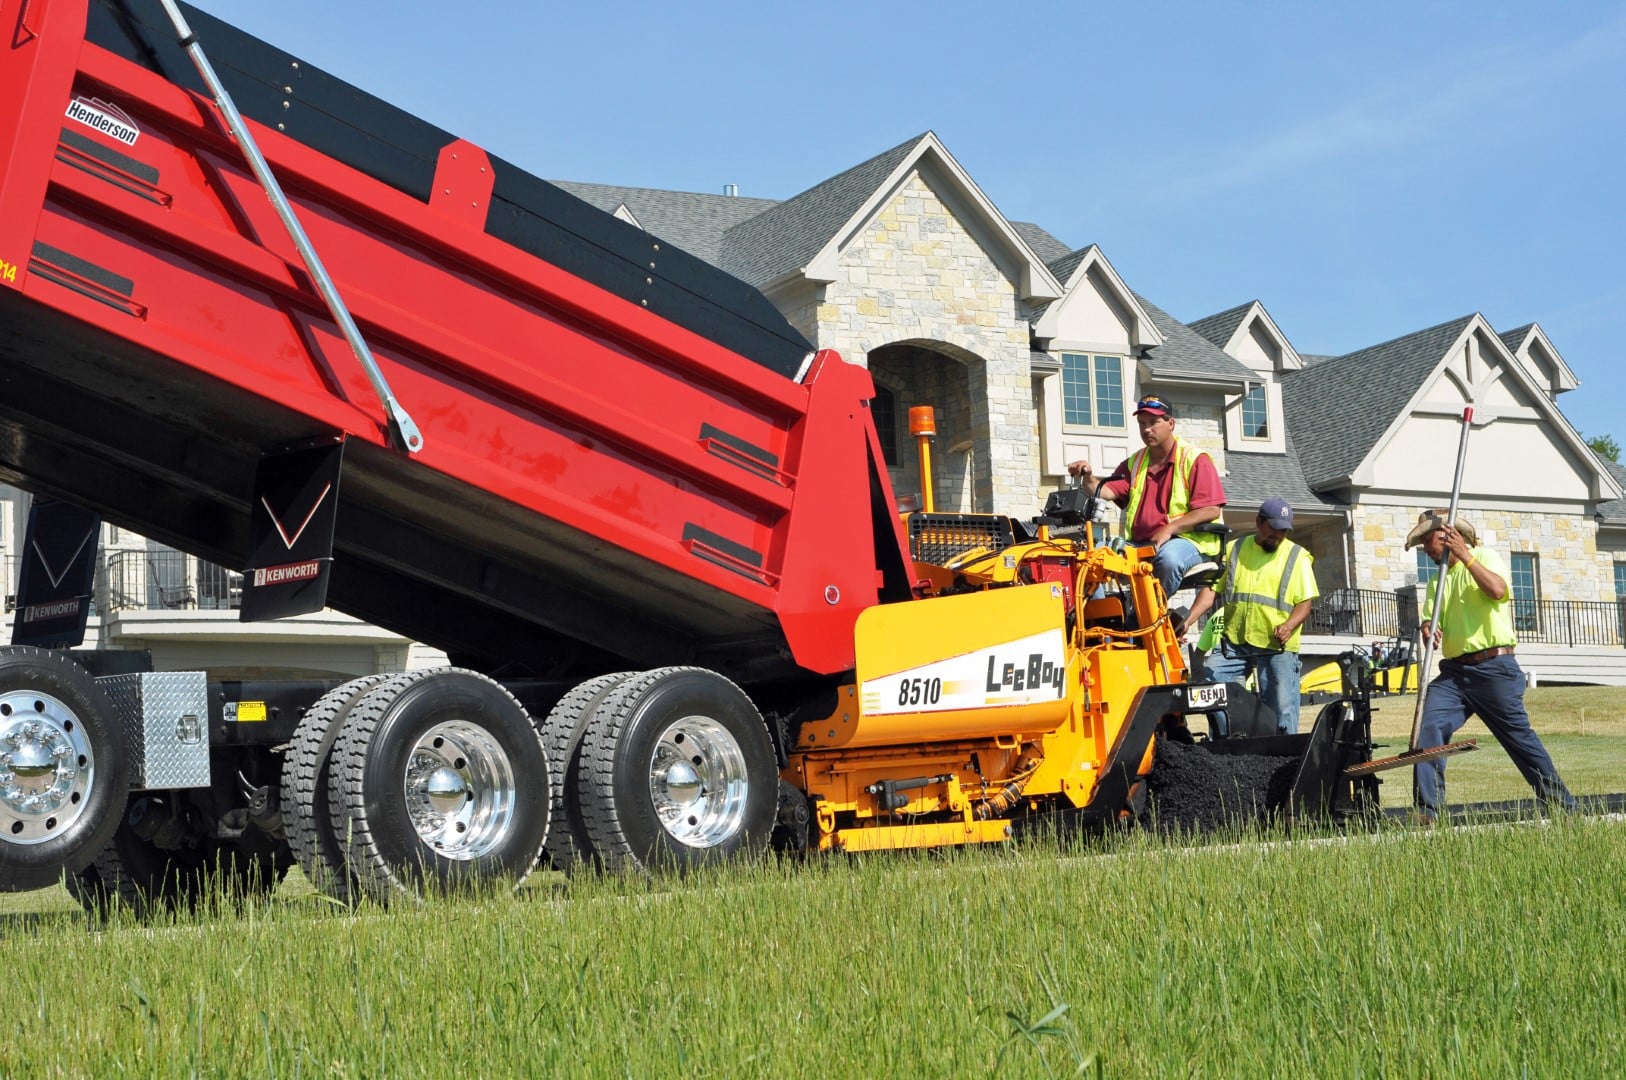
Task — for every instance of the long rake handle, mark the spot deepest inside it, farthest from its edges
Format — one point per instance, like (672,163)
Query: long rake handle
(1439,585)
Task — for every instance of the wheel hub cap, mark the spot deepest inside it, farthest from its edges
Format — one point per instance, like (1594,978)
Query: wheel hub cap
(446,790)
(460,790)
(681,784)
(46,767)
(698,782)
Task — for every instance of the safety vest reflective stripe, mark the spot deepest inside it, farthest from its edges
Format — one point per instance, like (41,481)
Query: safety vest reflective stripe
(1277,602)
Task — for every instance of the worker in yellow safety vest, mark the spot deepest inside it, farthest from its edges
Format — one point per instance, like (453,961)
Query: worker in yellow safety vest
(1268,584)
(1167,489)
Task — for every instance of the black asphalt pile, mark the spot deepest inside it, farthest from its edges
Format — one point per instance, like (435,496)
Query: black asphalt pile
(1194,791)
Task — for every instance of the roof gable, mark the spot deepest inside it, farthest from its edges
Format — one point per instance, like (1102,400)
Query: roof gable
(1342,412)
(1339,408)
(1530,346)
(1087,277)
(806,234)
(1248,333)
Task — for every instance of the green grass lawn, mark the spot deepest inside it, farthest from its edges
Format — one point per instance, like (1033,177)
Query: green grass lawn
(1491,951)
(1405,953)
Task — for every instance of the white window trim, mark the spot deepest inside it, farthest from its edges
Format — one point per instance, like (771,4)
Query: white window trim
(1237,439)
(1061,392)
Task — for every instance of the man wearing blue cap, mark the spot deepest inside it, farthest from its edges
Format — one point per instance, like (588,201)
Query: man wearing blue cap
(1269,583)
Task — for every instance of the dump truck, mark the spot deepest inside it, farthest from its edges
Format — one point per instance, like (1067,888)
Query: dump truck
(265,318)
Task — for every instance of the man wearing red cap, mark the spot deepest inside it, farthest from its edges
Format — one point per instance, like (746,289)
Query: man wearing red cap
(1166,489)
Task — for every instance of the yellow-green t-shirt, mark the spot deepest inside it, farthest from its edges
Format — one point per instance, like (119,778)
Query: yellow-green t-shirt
(1470,620)
(1264,591)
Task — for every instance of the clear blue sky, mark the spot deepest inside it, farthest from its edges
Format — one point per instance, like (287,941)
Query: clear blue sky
(1365,170)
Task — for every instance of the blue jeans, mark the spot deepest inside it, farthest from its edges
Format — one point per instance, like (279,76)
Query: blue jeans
(1278,672)
(1494,691)
(1172,561)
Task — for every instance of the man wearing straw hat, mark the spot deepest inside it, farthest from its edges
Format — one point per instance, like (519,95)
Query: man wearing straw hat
(1478,675)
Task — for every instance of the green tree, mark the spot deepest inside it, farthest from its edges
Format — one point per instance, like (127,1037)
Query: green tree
(1605,446)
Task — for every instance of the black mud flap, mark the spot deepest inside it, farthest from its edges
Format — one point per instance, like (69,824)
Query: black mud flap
(54,585)
(296,500)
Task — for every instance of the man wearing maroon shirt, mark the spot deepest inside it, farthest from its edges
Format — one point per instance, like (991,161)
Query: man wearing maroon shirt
(1167,489)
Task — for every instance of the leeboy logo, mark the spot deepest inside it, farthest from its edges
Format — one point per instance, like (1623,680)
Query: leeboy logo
(1032,672)
(108,119)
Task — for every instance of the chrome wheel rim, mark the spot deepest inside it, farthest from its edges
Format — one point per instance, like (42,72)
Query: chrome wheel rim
(46,767)
(698,782)
(460,790)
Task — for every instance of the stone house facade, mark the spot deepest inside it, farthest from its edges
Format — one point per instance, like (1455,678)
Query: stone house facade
(1032,351)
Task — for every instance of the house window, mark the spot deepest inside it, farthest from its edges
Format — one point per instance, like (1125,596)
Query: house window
(1092,390)
(1427,570)
(1255,413)
(884,408)
(1526,585)
(1620,600)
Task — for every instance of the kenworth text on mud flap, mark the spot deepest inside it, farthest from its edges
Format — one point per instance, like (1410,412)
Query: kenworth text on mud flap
(260,316)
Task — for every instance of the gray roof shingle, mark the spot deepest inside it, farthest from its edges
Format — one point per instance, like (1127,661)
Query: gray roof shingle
(1187,354)
(1044,245)
(1220,327)
(1252,478)
(694,222)
(1614,511)
(1515,337)
(1339,408)
(786,236)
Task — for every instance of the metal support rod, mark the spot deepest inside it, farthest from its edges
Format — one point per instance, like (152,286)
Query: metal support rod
(403,432)
(1439,583)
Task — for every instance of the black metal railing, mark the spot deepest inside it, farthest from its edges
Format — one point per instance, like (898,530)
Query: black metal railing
(1571,622)
(1374,613)
(159,580)
(1364,613)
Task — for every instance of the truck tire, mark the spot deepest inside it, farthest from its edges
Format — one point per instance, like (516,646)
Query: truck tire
(677,770)
(64,768)
(305,773)
(569,845)
(437,778)
(134,872)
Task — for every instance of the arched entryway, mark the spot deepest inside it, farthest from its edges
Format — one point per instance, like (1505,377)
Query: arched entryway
(952,381)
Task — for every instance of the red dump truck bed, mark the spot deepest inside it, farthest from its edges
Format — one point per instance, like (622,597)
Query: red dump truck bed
(629,458)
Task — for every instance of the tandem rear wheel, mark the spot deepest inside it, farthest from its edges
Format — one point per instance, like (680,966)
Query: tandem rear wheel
(677,770)
(437,778)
